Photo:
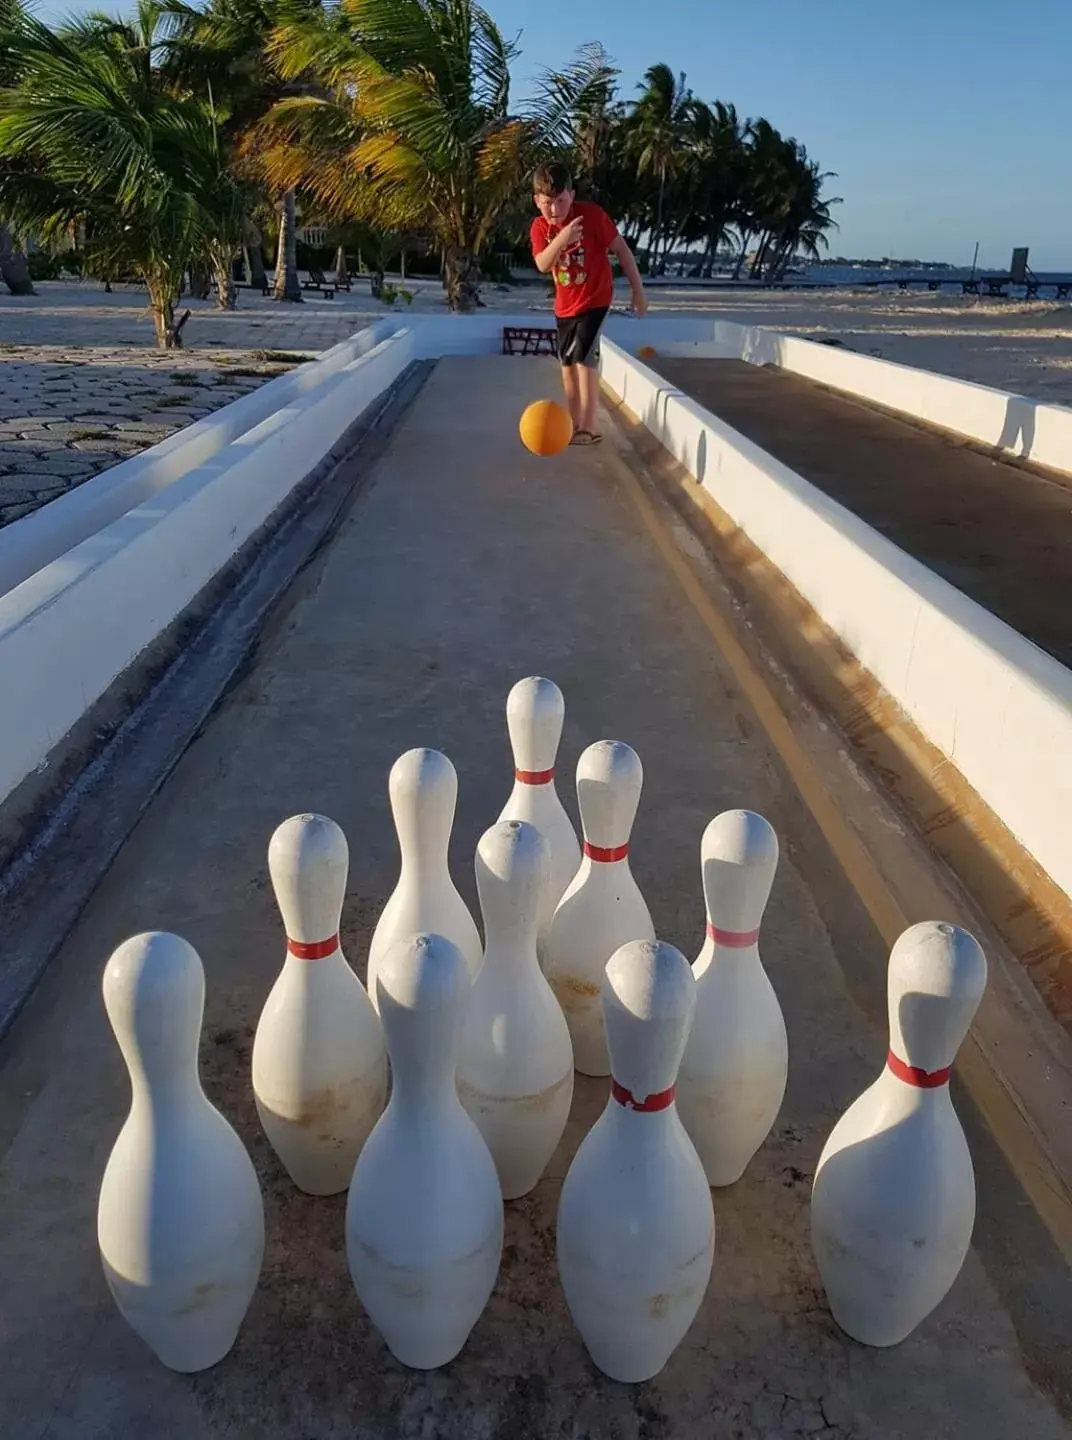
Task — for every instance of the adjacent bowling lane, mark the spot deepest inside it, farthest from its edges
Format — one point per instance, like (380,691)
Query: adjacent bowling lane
(465,566)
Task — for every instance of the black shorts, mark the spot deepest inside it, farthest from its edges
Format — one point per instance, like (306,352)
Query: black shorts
(578,337)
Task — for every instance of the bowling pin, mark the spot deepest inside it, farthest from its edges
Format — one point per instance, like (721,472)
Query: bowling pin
(515,1072)
(893,1201)
(180,1220)
(603,908)
(424,1217)
(535,712)
(423,787)
(732,1079)
(636,1231)
(319,1061)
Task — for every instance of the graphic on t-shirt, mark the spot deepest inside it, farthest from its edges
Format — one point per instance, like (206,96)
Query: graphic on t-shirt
(574,270)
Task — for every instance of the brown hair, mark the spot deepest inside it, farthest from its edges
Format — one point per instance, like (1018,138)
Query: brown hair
(551,180)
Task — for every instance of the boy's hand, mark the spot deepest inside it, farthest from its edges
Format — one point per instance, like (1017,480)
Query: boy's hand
(571,233)
(640,304)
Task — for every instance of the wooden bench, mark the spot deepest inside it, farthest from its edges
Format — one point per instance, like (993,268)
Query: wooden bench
(318,281)
(529,340)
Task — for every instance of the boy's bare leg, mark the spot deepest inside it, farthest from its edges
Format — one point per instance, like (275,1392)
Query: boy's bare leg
(588,378)
(571,385)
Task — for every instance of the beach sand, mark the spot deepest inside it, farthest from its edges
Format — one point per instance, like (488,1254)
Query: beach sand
(1009,344)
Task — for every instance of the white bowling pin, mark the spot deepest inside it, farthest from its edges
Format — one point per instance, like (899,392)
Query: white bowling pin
(515,1069)
(424,1218)
(893,1202)
(180,1220)
(535,713)
(423,786)
(603,908)
(733,1075)
(319,1060)
(636,1231)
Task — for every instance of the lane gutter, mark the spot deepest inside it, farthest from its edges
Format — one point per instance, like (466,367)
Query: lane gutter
(1045,1187)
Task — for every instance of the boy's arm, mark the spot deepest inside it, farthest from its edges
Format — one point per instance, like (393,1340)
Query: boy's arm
(631,273)
(546,257)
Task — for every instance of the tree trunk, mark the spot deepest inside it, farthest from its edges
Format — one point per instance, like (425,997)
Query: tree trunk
(226,290)
(461,278)
(341,274)
(375,283)
(200,282)
(654,251)
(162,304)
(758,263)
(287,284)
(746,235)
(258,279)
(14,270)
(254,248)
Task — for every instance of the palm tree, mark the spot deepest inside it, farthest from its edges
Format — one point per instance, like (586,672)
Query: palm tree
(657,128)
(412,127)
(225,48)
(716,168)
(98,141)
(14,269)
(782,205)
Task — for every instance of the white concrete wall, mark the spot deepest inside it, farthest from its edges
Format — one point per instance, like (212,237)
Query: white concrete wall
(1023,427)
(72,627)
(995,704)
(37,539)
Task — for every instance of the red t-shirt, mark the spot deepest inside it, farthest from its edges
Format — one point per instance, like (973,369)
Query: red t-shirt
(582,274)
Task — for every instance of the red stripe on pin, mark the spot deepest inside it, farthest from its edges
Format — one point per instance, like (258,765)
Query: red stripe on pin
(912,1075)
(732,939)
(662,1101)
(535,777)
(317,950)
(604,856)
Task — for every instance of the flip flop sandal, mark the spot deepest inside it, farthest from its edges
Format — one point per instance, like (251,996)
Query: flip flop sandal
(585,437)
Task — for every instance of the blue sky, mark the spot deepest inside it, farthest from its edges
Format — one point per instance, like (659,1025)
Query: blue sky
(947,121)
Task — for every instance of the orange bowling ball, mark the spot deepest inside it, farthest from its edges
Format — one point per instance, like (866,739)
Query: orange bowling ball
(546,428)
(647,352)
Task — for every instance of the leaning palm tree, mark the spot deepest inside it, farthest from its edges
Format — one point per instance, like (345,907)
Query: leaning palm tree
(94,144)
(412,128)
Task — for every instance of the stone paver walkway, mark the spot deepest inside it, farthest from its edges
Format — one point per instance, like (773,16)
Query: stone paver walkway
(65,415)
(82,385)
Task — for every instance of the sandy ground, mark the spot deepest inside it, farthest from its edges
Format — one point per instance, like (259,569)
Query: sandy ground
(81,386)
(1010,344)
(462,567)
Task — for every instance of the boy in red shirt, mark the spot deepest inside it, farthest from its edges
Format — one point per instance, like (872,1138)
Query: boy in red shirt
(570,239)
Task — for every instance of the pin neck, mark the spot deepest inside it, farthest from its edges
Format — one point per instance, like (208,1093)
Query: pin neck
(425,867)
(912,1075)
(428,1091)
(166,1090)
(534,777)
(732,939)
(606,856)
(312,950)
(628,1101)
